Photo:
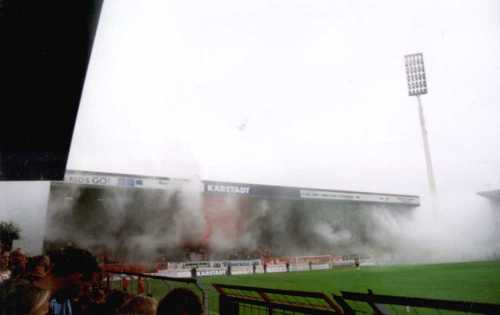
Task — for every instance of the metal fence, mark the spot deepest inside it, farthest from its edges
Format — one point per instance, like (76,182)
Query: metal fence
(155,285)
(370,303)
(242,300)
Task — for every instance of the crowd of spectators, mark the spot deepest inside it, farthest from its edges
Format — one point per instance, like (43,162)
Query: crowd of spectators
(69,281)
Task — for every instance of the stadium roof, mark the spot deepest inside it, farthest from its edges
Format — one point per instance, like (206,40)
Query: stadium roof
(215,188)
(492,194)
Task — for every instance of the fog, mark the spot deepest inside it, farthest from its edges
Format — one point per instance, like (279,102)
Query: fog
(25,203)
(298,93)
(147,225)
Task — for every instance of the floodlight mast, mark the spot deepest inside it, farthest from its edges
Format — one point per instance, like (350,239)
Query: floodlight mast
(417,86)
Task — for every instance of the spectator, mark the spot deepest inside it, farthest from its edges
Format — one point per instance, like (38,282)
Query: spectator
(45,284)
(20,297)
(180,301)
(139,305)
(71,269)
(141,286)
(92,301)
(37,267)
(115,300)
(60,305)
(125,284)
(4,268)
(18,263)
(4,262)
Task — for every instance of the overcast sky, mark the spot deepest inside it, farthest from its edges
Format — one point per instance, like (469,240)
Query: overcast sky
(319,87)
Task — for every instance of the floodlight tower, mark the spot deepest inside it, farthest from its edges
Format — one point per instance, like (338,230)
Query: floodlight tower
(417,85)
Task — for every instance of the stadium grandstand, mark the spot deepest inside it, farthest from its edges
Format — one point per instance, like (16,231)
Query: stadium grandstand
(181,224)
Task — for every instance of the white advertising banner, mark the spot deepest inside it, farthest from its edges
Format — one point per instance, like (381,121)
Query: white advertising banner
(359,197)
(116,180)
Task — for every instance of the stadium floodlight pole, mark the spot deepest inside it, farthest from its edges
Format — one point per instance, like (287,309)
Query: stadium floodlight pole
(417,86)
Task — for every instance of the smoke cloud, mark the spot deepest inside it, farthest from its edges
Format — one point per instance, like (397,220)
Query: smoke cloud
(144,225)
(130,224)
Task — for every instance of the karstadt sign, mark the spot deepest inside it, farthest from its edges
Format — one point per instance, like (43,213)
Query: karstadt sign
(228,189)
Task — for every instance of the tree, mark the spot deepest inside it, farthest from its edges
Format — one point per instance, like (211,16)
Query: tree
(9,231)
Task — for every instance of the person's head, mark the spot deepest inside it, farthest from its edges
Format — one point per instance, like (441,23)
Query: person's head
(70,268)
(97,296)
(180,301)
(18,262)
(116,299)
(139,305)
(4,262)
(38,266)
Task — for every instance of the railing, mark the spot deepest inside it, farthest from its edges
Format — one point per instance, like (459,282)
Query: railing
(236,300)
(241,300)
(169,282)
(388,304)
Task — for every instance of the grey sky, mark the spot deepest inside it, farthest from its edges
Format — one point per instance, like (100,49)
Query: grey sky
(320,84)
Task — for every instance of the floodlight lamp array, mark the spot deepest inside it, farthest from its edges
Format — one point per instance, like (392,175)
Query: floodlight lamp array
(415,74)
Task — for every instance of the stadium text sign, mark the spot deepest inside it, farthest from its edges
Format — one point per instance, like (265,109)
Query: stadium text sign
(117,180)
(88,180)
(360,197)
(228,189)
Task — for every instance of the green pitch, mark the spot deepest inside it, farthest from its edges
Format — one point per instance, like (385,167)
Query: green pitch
(477,281)
(474,281)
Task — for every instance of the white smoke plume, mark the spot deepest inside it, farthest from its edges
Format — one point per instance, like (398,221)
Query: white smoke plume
(141,225)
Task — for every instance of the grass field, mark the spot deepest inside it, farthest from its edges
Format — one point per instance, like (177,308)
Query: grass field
(473,281)
(477,281)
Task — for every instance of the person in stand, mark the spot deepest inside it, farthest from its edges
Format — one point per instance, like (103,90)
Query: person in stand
(18,263)
(43,291)
(125,283)
(116,299)
(37,267)
(141,286)
(180,301)
(60,305)
(139,305)
(4,268)
(71,269)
